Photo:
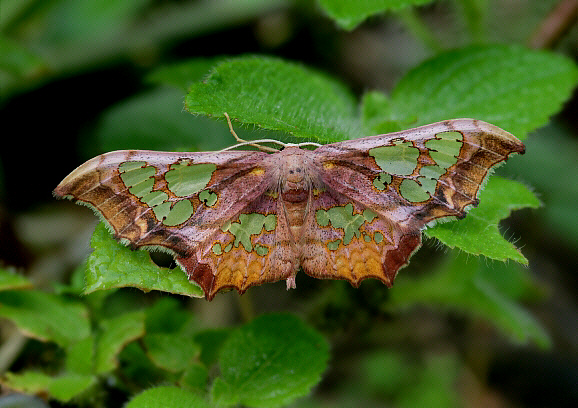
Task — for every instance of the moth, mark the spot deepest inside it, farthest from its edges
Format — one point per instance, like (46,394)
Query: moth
(349,210)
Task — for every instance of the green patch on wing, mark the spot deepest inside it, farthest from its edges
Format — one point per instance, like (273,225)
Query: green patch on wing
(399,159)
(249,225)
(382,180)
(445,148)
(208,198)
(185,179)
(343,217)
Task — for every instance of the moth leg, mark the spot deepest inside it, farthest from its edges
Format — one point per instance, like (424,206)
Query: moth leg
(291,282)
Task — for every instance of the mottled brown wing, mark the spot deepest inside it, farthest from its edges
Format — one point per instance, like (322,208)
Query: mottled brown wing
(407,180)
(345,240)
(179,201)
(254,247)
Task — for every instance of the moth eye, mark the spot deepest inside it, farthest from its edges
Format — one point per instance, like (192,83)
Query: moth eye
(291,172)
(299,170)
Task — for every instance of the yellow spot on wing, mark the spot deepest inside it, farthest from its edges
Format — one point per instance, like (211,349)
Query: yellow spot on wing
(257,171)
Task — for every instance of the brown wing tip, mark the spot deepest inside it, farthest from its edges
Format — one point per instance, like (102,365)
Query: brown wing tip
(200,273)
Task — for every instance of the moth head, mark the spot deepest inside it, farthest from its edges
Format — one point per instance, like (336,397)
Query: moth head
(294,172)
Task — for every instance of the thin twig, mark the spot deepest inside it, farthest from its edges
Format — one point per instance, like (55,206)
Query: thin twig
(555,25)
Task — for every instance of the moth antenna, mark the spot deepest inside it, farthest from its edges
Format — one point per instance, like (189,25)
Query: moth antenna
(237,138)
(241,142)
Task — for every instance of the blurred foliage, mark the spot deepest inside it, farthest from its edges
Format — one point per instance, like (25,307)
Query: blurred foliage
(81,77)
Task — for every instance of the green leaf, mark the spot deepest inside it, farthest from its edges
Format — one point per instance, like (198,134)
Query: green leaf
(435,385)
(113,265)
(553,150)
(478,233)
(63,388)
(375,106)
(171,351)
(114,334)
(387,372)
(211,341)
(167,396)
(155,120)
(11,280)
(195,376)
(270,362)
(45,316)
(91,20)
(19,61)
(277,95)
(138,370)
(463,284)
(80,357)
(168,316)
(405,381)
(183,74)
(169,341)
(509,86)
(349,14)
